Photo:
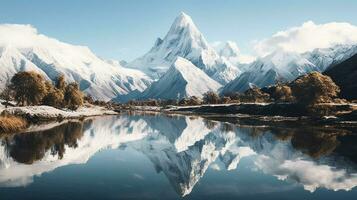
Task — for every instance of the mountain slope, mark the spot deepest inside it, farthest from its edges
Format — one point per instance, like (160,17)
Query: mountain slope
(51,57)
(184,40)
(183,79)
(276,67)
(327,57)
(12,61)
(285,66)
(345,75)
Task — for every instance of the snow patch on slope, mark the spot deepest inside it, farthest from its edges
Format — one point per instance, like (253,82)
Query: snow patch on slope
(183,79)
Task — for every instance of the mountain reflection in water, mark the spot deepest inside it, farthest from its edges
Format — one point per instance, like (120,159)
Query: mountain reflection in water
(183,148)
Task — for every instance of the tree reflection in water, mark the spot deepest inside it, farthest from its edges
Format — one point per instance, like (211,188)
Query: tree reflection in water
(29,147)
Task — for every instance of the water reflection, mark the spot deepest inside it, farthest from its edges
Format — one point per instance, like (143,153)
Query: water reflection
(183,148)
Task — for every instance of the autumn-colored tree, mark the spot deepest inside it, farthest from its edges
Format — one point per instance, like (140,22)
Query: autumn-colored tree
(314,88)
(255,95)
(29,88)
(280,92)
(61,82)
(7,94)
(210,98)
(73,97)
(54,98)
(193,100)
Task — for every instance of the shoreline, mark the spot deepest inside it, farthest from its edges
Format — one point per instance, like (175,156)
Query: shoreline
(37,116)
(255,113)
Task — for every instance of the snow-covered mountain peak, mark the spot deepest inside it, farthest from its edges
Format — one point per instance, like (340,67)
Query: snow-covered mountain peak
(186,41)
(229,49)
(183,21)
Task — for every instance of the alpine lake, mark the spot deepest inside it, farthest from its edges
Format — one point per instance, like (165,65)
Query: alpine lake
(161,156)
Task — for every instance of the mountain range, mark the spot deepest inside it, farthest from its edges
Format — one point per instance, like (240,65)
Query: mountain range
(182,64)
(101,79)
(283,66)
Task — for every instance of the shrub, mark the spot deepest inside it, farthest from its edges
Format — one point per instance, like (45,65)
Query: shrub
(7,94)
(279,93)
(89,99)
(60,82)
(255,95)
(29,88)
(11,124)
(54,98)
(210,98)
(73,97)
(193,101)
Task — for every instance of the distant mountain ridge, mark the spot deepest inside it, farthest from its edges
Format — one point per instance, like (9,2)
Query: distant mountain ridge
(285,66)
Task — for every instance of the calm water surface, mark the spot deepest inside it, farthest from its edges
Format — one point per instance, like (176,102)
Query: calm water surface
(177,157)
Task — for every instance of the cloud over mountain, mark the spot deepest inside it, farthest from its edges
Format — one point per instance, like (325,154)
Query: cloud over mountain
(308,37)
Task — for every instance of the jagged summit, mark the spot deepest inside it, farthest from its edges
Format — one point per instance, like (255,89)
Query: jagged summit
(183,20)
(230,49)
(183,40)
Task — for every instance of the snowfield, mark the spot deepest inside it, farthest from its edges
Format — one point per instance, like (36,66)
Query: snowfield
(48,112)
(182,80)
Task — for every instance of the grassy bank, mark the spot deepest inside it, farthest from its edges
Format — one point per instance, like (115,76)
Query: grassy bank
(12,124)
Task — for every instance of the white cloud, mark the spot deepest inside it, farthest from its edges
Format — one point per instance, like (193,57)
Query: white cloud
(26,36)
(18,35)
(308,173)
(308,37)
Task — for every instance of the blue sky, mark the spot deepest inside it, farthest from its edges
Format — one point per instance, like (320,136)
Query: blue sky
(126,29)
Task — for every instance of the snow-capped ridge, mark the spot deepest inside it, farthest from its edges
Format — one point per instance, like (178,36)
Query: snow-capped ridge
(283,66)
(183,79)
(24,49)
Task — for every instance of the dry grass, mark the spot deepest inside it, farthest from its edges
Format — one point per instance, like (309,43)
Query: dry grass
(11,124)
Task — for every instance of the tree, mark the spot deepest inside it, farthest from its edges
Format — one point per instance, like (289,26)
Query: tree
(210,98)
(255,95)
(60,82)
(314,88)
(7,94)
(193,100)
(279,92)
(29,88)
(73,97)
(54,98)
